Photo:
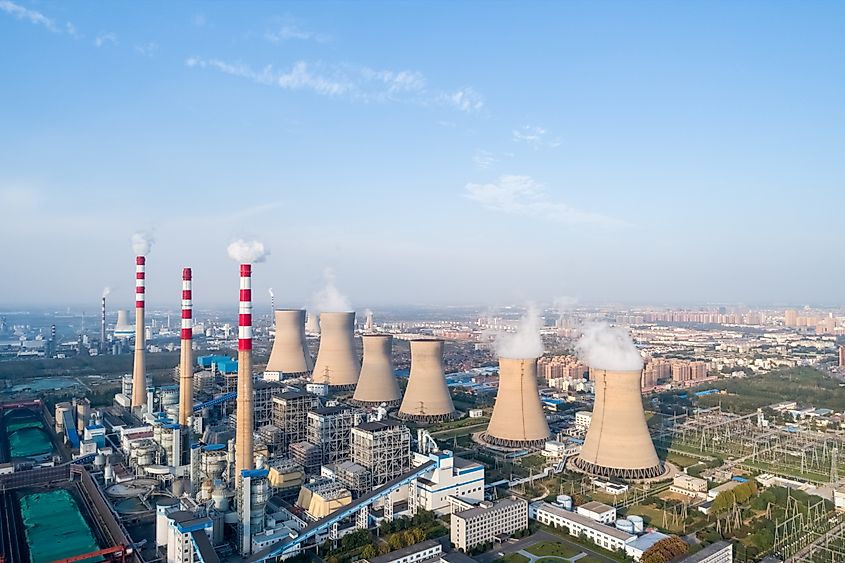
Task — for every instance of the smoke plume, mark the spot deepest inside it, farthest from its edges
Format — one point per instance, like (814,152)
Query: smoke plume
(270,290)
(247,252)
(142,243)
(106,291)
(329,299)
(602,346)
(526,342)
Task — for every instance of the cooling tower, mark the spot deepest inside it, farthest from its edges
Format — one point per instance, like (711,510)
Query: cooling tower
(618,443)
(122,323)
(427,397)
(139,371)
(518,420)
(186,367)
(337,365)
(312,324)
(245,416)
(290,355)
(377,383)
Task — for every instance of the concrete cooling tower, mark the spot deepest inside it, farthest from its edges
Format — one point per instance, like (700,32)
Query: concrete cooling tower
(618,443)
(427,397)
(518,419)
(289,356)
(337,364)
(122,328)
(312,324)
(377,383)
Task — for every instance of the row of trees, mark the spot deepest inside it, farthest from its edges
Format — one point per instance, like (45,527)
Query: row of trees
(665,550)
(740,494)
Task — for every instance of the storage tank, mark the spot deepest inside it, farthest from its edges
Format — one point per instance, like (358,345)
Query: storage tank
(638,522)
(377,383)
(565,501)
(289,355)
(625,525)
(427,397)
(337,364)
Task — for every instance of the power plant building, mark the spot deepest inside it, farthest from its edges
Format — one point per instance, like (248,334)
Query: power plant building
(518,420)
(427,397)
(337,363)
(384,448)
(377,383)
(618,443)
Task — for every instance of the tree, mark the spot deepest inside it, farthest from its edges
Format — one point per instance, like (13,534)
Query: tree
(665,550)
(369,552)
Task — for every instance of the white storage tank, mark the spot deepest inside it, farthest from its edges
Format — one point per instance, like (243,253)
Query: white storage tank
(638,522)
(625,525)
(565,501)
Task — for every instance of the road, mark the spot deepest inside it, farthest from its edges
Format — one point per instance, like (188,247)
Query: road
(537,537)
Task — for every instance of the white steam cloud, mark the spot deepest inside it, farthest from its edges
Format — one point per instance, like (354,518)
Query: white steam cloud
(270,291)
(106,291)
(142,243)
(247,252)
(526,342)
(329,299)
(602,346)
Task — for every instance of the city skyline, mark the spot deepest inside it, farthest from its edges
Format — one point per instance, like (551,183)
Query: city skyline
(611,153)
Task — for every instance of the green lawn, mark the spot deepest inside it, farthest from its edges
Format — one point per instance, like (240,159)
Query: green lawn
(590,559)
(553,548)
(514,558)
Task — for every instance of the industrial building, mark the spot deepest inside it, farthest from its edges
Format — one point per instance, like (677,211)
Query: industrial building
(618,443)
(330,428)
(518,420)
(450,477)
(290,414)
(487,521)
(384,448)
(427,397)
(577,524)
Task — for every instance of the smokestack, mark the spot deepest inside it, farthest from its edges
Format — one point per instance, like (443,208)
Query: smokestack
(618,443)
(337,365)
(103,326)
(377,383)
(139,372)
(427,397)
(186,368)
(245,417)
(518,420)
(289,355)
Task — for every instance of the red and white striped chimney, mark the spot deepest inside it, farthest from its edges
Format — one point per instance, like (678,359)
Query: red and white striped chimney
(186,368)
(243,434)
(139,372)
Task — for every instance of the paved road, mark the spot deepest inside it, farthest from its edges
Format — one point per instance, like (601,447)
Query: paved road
(537,537)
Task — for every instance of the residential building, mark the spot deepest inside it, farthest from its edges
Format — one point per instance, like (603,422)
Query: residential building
(487,521)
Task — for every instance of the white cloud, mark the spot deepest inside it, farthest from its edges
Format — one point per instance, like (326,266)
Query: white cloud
(291,31)
(147,49)
(105,38)
(484,159)
(355,82)
(465,99)
(522,195)
(32,16)
(535,136)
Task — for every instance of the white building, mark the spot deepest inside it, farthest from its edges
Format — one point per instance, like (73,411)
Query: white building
(839,499)
(185,535)
(690,486)
(577,524)
(598,511)
(583,419)
(642,544)
(422,551)
(487,521)
(451,477)
(719,552)
(558,450)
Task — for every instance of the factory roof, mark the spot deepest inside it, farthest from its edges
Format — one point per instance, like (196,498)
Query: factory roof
(587,522)
(404,552)
(377,425)
(293,395)
(323,411)
(702,555)
(456,557)
(597,507)
(462,463)
(478,510)
(645,541)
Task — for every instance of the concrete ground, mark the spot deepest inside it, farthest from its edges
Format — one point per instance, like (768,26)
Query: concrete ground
(519,546)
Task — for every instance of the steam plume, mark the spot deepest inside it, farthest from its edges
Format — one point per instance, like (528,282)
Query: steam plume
(142,243)
(106,291)
(526,342)
(270,290)
(247,252)
(329,298)
(602,346)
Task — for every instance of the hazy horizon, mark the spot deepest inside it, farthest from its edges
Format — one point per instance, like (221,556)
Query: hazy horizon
(442,154)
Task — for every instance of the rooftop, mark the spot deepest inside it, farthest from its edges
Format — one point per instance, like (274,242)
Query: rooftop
(704,553)
(597,507)
(478,510)
(587,522)
(404,552)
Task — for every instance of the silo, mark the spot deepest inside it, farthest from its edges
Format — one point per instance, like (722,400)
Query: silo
(290,355)
(518,420)
(427,397)
(377,383)
(337,364)
(618,443)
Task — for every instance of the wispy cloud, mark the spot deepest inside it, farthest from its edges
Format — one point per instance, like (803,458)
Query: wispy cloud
(359,83)
(465,99)
(148,49)
(19,12)
(535,136)
(522,195)
(105,38)
(291,31)
(484,159)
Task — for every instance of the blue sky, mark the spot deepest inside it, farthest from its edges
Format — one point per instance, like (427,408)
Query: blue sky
(440,153)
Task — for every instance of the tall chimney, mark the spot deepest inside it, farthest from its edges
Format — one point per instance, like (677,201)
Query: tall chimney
(427,397)
(245,416)
(377,383)
(139,372)
(518,419)
(186,368)
(103,327)
(337,364)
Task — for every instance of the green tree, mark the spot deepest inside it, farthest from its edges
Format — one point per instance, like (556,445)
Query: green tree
(369,552)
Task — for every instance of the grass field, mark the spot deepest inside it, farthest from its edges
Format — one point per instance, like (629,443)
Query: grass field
(553,548)
(514,558)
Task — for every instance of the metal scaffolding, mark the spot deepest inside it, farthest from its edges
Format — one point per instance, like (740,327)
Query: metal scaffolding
(330,428)
(290,415)
(384,448)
